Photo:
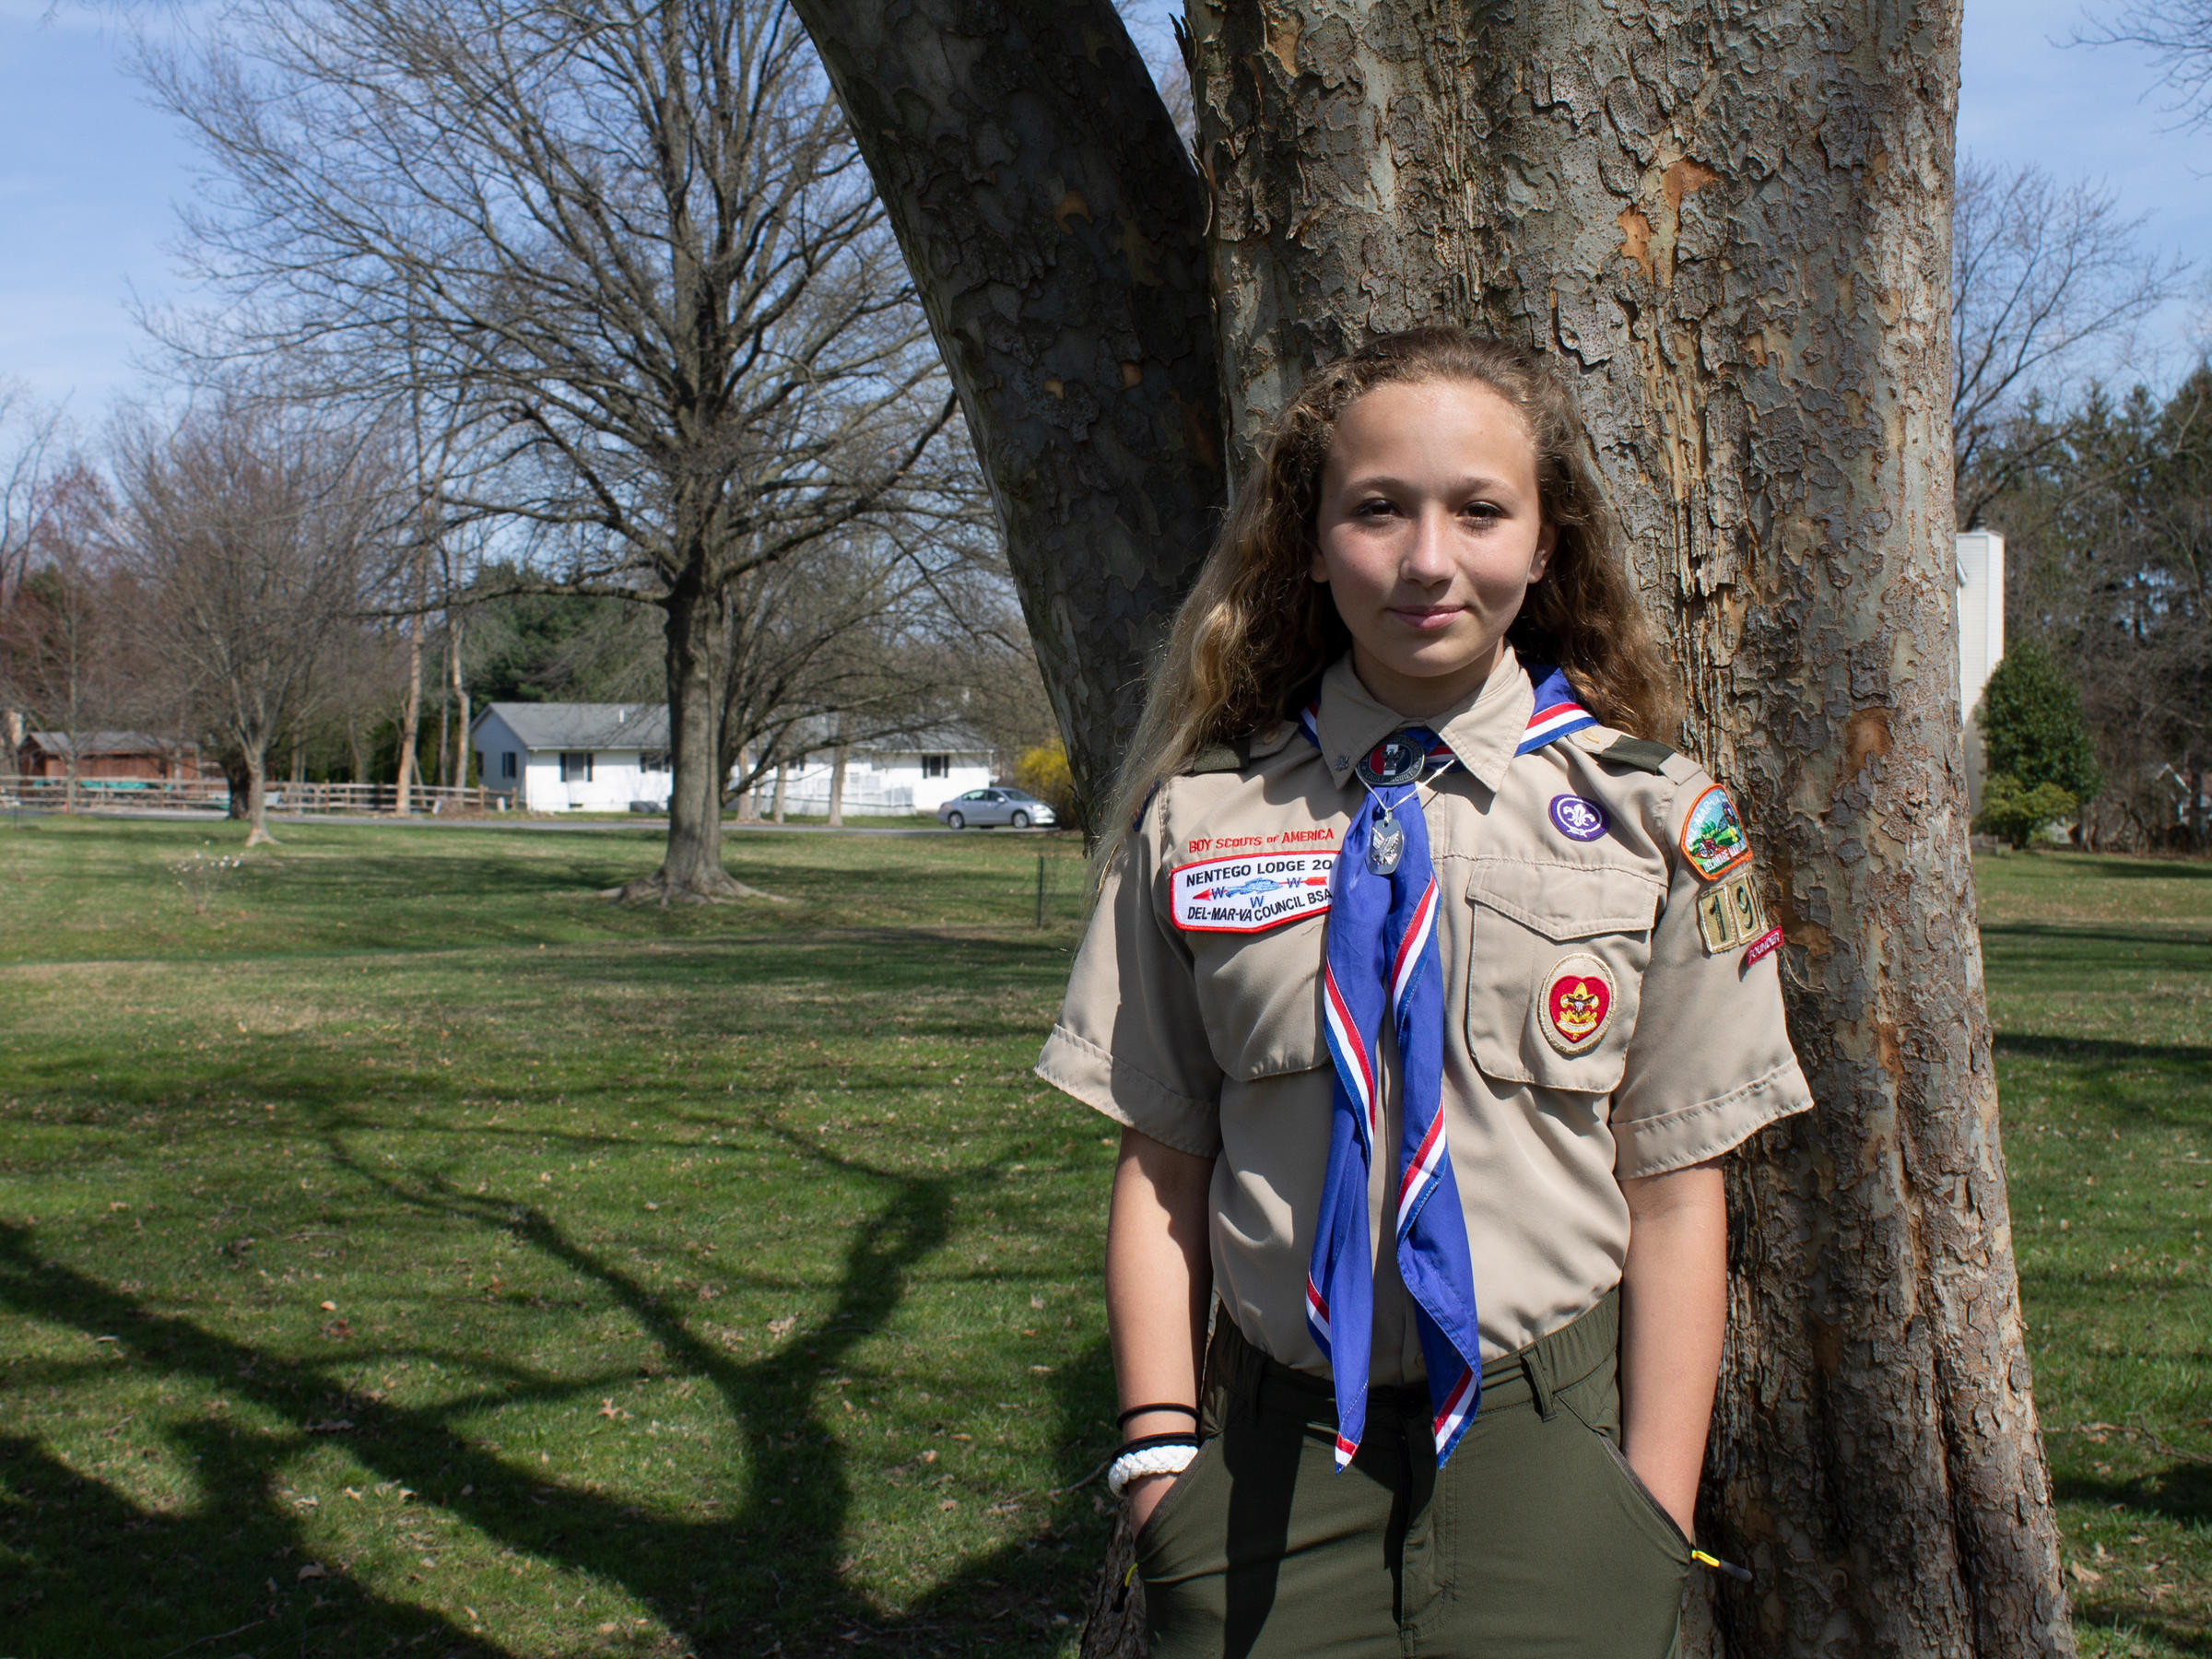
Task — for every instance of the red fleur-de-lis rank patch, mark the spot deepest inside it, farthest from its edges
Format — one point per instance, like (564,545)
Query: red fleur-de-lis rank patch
(1575,1003)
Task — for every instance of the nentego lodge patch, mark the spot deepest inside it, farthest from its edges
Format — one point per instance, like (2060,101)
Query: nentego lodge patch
(1251,893)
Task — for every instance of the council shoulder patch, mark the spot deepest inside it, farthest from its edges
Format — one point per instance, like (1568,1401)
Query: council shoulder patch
(1249,892)
(1712,836)
(1574,1004)
(1730,913)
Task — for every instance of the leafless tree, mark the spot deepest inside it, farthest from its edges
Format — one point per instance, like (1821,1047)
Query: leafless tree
(630,246)
(61,620)
(2178,36)
(2048,282)
(258,537)
(29,441)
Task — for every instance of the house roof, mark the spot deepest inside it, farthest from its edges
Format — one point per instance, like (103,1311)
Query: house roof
(948,739)
(817,732)
(102,743)
(550,726)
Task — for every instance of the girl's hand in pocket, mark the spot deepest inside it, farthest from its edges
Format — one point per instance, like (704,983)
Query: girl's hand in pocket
(1143,1496)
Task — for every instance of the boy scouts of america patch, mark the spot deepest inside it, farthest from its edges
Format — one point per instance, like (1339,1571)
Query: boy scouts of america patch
(1712,836)
(1574,1004)
(1249,892)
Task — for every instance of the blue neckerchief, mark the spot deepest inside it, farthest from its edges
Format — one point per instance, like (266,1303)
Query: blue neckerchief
(1382,955)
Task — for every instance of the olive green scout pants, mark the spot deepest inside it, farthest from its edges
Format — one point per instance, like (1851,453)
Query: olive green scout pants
(1535,1542)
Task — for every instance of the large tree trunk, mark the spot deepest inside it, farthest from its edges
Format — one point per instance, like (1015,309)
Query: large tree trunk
(692,869)
(838,757)
(1053,222)
(1735,238)
(240,785)
(254,757)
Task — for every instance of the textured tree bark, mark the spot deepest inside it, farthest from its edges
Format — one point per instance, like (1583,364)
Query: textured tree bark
(1053,222)
(256,757)
(1732,225)
(410,718)
(692,869)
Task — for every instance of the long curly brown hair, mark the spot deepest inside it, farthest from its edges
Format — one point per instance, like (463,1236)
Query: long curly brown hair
(1253,638)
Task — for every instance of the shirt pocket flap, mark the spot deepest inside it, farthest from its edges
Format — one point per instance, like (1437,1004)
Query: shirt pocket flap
(1566,901)
(1260,996)
(1556,972)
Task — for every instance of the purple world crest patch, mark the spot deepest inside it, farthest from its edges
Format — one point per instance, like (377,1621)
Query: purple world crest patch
(1579,819)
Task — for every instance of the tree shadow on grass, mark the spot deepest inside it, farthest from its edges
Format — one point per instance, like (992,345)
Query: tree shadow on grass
(765,1579)
(2180,1492)
(2098,1052)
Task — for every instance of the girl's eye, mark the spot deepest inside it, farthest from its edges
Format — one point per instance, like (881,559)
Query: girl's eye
(1374,507)
(1482,509)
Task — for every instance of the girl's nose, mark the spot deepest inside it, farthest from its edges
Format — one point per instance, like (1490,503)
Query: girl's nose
(1428,557)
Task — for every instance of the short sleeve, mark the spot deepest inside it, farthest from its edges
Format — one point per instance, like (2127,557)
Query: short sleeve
(1709,1063)
(1129,1040)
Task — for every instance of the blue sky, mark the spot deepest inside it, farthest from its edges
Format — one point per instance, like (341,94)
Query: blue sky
(89,175)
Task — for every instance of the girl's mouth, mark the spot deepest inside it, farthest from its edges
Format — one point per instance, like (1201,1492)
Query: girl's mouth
(1427,618)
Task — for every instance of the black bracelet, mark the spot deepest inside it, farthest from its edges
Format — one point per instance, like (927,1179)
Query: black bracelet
(1135,1411)
(1145,1442)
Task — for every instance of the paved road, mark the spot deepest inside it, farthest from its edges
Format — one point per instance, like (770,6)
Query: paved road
(513,822)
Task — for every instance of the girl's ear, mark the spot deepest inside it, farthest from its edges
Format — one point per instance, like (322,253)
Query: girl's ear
(1547,541)
(1319,568)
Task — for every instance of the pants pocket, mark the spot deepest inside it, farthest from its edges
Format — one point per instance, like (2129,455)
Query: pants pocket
(1150,1536)
(1678,1542)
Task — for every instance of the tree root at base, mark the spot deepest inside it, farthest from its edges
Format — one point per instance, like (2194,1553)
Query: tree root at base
(657,888)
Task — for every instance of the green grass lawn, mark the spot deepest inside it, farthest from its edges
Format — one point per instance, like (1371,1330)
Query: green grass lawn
(417,1253)
(2100,986)
(406,1251)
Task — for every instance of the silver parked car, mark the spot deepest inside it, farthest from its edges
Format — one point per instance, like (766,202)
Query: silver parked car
(1016,809)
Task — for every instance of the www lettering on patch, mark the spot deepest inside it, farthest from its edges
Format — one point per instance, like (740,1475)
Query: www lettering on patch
(1251,893)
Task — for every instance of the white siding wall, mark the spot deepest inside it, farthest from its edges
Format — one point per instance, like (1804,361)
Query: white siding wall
(1980,613)
(878,785)
(617,779)
(1980,640)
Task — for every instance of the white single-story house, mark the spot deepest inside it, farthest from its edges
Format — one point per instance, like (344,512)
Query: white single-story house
(914,771)
(604,756)
(574,756)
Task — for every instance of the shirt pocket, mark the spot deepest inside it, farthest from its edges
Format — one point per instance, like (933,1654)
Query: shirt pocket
(1259,996)
(1541,926)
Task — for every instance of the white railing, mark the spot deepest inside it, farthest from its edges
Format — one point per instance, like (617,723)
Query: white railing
(877,802)
(285,798)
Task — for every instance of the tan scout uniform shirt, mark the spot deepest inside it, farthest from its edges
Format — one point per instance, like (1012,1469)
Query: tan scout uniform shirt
(1212,1042)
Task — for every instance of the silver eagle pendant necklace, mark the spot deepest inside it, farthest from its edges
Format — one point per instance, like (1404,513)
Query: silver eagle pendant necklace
(1394,761)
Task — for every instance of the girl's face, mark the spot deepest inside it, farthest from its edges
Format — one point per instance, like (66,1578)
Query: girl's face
(1430,534)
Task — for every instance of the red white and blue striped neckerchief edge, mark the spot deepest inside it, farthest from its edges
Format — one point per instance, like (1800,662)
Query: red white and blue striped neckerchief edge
(1556,714)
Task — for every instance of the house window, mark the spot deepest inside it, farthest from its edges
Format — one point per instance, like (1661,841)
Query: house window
(653,760)
(575,768)
(936,766)
(507,763)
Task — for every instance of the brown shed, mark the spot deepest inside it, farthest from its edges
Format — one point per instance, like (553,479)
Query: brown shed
(131,756)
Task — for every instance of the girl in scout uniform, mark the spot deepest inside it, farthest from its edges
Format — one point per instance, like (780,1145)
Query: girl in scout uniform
(1428,986)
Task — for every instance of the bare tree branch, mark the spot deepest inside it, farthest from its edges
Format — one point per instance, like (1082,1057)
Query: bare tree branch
(2047,283)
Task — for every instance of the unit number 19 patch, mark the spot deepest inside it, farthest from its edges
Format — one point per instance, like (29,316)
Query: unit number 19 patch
(1730,913)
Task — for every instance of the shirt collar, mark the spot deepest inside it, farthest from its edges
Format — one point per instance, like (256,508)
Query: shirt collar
(1483,732)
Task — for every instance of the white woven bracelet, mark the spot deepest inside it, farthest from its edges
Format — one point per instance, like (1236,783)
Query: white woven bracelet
(1152,1460)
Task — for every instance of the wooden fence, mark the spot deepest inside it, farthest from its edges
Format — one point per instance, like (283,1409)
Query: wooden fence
(286,799)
